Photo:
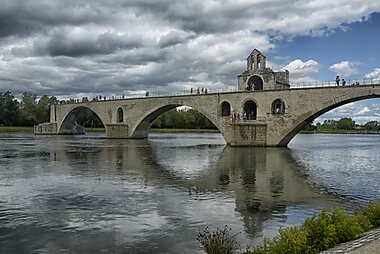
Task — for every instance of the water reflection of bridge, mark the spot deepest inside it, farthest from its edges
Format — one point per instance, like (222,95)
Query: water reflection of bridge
(263,180)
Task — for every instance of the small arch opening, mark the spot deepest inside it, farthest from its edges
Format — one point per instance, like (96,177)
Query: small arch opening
(255,83)
(278,107)
(250,110)
(225,108)
(120,115)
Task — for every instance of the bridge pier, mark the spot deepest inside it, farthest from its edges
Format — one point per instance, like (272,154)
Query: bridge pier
(247,134)
(117,131)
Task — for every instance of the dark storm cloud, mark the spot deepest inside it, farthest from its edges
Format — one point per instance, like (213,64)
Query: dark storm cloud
(22,18)
(172,39)
(60,44)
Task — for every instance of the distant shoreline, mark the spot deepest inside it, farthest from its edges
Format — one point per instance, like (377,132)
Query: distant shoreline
(165,130)
(339,132)
(151,130)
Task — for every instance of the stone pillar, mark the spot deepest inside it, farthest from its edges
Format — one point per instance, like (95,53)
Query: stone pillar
(247,134)
(53,115)
(117,131)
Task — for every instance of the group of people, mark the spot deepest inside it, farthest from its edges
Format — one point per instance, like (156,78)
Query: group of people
(198,91)
(337,80)
(246,116)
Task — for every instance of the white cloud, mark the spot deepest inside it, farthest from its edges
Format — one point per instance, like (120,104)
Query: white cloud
(344,68)
(302,71)
(375,74)
(364,111)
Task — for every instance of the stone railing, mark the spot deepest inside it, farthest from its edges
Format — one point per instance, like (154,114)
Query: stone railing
(298,85)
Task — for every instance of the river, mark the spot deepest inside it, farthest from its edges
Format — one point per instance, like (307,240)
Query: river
(88,194)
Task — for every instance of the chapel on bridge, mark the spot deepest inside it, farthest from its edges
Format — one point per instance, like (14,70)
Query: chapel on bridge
(259,77)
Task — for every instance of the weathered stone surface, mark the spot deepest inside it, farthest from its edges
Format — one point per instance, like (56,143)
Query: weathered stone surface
(267,129)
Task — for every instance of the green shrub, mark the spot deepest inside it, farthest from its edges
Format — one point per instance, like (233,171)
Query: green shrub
(320,231)
(363,221)
(372,212)
(220,241)
(291,240)
(346,227)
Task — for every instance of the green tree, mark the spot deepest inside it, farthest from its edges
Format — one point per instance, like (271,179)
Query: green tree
(183,119)
(87,118)
(28,109)
(372,126)
(42,109)
(345,124)
(8,109)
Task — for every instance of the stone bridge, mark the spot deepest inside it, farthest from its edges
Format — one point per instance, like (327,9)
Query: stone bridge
(244,118)
(264,112)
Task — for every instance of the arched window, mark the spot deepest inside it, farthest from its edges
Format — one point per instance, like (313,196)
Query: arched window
(225,108)
(250,110)
(120,115)
(278,107)
(255,83)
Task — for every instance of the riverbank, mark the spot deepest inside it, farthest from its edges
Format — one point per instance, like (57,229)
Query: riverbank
(152,130)
(340,132)
(16,129)
(331,232)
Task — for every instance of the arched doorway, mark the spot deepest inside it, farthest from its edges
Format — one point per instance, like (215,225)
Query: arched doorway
(120,115)
(250,110)
(278,107)
(255,83)
(225,108)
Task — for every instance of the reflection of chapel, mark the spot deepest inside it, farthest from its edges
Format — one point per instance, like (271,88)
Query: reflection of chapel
(259,77)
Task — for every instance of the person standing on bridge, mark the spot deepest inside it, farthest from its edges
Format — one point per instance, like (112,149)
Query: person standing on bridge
(343,82)
(337,80)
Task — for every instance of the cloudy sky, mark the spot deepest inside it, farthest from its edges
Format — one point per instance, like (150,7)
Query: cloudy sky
(76,48)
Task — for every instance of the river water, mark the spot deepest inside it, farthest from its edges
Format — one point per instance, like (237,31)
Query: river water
(88,194)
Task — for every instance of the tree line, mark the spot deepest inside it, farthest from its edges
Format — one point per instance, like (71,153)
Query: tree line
(343,124)
(28,112)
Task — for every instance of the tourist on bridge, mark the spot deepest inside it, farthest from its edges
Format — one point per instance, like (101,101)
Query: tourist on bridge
(337,80)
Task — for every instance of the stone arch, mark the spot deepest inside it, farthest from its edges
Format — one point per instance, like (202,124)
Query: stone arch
(69,125)
(302,121)
(249,110)
(255,83)
(225,108)
(120,115)
(278,107)
(140,129)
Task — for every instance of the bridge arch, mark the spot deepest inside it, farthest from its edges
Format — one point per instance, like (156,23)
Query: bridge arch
(249,110)
(305,119)
(68,124)
(278,107)
(255,83)
(140,129)
(225,108)
(120,115)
